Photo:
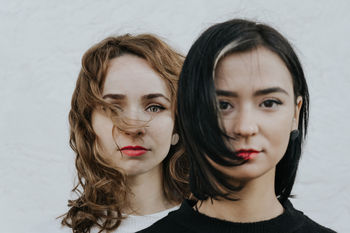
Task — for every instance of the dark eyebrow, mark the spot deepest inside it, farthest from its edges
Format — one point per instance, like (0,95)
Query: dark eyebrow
(256,93)
(114,96)
(147,97)
(226,93)
(155,95)
(270,90)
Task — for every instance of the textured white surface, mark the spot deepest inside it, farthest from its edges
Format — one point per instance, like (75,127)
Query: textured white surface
(41,45)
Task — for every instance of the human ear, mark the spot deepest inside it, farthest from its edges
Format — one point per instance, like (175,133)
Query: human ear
(175,139)
(299,103)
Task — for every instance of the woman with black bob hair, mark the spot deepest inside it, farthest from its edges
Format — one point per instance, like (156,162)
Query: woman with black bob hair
(243,106)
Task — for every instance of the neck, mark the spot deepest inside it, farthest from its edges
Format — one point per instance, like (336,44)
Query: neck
(257,202)
(147,195)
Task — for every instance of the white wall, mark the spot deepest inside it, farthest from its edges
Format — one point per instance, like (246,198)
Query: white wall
(41,44)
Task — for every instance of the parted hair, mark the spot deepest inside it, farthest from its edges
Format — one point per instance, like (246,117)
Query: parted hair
(199,119)
(102,190)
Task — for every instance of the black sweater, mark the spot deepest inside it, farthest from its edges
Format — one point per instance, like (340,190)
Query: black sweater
(187,220)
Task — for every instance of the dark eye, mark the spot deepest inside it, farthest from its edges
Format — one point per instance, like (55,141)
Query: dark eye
(155,108)
(224,105)
(270,103)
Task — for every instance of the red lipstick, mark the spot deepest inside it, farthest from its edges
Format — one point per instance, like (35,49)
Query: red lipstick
(133,151)
(247,154)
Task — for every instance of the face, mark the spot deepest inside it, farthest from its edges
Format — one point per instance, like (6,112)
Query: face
(258,108)
(140,144)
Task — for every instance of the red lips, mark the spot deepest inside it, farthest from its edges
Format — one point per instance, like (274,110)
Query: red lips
(133,151)
(247,154)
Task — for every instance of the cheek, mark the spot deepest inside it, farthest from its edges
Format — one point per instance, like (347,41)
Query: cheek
(102,126)
(278,134)
(161,129)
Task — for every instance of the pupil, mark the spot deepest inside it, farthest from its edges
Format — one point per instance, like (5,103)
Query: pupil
(223,105)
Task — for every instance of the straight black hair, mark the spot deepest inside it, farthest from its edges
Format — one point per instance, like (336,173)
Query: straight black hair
(198,115)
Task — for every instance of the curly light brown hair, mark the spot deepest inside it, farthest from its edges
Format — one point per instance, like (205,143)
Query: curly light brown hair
(101,188)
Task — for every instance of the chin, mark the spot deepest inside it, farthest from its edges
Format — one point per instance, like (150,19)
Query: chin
(133,171)
(246,174)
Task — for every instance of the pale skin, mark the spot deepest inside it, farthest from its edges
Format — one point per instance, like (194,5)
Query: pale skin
(140,95)
(258,107)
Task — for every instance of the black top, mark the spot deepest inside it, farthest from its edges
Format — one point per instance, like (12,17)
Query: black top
(188,220)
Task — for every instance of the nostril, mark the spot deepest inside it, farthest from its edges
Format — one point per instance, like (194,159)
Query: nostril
(134,131)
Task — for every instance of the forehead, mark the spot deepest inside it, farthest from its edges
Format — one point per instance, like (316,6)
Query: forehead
(130,74)
(258,68)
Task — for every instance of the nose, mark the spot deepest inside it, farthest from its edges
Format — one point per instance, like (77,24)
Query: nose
(133,131)
(245,124)
(131,126)
(132,123)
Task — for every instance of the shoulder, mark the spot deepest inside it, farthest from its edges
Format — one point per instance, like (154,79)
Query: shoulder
(173,222)
(312,226)
(160,226)
(167,224)
(134,223)
(306,223)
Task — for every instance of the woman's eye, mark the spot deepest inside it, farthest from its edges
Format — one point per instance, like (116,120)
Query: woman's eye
(270,103)
(224,105)
(155,108)
(117,107)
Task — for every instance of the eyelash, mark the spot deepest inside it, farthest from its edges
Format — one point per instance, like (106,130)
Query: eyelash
(226,103)
(153,108)
(118,107)
(159,108)
(271,101)
(265,102)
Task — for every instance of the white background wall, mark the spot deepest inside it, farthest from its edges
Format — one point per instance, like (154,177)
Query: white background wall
(41,45)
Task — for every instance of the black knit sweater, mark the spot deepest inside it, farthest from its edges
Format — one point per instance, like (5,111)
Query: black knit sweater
(187,220)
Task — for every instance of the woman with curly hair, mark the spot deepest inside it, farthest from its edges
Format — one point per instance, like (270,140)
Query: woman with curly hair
(129,159)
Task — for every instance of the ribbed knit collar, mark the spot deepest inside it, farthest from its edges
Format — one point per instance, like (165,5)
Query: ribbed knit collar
(288,221)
